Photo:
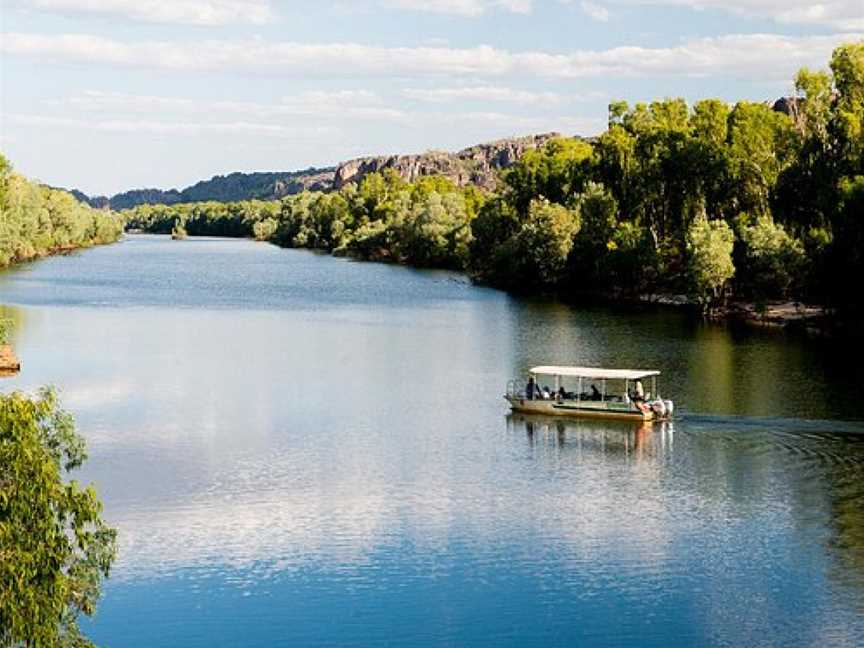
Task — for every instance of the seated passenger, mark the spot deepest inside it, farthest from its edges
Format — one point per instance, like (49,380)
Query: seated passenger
(562,393)
(547,394)
(595,393)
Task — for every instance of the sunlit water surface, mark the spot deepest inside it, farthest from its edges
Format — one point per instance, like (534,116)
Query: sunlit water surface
(302,450)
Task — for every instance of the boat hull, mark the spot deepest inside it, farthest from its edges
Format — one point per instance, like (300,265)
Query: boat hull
(579,409)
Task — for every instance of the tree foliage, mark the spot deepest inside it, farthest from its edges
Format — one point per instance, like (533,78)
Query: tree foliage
(54,546)
(649,205)
(36,220)
(771,261)
(709,252)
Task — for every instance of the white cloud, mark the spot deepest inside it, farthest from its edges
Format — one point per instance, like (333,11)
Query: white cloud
(843,15)
(340,104)
(595,11)
(184,12)
(163,128)
(338,97)
(461,7)
(297,117)
(764,57)
(495,94)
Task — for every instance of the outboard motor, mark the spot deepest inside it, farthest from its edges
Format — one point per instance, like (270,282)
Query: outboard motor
(658,408)
(669,407)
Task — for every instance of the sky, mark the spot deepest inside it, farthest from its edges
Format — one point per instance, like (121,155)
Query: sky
(110,95)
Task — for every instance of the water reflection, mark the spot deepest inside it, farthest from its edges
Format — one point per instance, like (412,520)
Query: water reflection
(639,441)
(331,462)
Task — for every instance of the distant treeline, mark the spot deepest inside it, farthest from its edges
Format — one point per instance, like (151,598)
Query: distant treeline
(36,220)
(714,200)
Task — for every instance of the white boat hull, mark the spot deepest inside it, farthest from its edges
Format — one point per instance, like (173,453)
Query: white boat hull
(583,409)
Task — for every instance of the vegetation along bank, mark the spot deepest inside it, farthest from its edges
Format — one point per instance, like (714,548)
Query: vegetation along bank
(710,200)
(36,220)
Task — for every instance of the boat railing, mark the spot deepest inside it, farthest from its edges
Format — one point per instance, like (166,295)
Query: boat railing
(513,390)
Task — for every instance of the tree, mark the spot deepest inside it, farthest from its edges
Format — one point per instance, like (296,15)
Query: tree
(771,260)
(556,172)
(265,229)
(494,225)
(633,261)
(847,66)
(537,254)
(597,211)
(179,230)
(762,144)
(6,326)
(847,250)
(709,252)
(36,220)
(54,546)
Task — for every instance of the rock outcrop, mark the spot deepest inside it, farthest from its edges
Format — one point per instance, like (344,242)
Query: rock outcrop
(477,165)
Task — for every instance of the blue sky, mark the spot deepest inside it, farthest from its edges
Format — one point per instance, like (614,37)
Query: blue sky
(107,95)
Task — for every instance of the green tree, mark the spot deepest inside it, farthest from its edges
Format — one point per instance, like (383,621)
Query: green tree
(597,210)
(36,220)
(771,261)
(633,262)
(179,230)
(847,67)
(762,144)
(54,545)
(709,252)
(6,326)
(537,254)
(555,172)
(265,229)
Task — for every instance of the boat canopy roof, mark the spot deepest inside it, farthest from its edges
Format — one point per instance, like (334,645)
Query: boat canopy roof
(595,373)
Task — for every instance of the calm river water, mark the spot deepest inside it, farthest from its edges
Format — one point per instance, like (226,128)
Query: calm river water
(301,450)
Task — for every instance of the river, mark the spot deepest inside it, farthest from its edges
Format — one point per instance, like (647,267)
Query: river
(304,450)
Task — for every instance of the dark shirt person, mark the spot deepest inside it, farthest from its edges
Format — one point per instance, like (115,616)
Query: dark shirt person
(595,393)
(530,388)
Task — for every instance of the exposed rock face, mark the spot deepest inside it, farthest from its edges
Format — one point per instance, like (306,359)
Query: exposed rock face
(477,165)
(786,105)
(313,180)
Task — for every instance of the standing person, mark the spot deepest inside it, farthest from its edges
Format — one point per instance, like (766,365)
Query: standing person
(640,392)
(530,388)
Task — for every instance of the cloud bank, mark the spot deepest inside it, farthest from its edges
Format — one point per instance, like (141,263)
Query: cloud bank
(762,57)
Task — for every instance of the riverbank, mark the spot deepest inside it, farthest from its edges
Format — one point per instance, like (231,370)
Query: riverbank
(811,319)
(60,250)
(9,362)
(780,314)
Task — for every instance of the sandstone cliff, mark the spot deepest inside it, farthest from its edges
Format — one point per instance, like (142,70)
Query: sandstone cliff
(477,165)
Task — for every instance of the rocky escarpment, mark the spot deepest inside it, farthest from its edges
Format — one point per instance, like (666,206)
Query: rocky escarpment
(477,165)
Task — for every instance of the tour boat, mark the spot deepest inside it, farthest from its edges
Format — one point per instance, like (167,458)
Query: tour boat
(596,392)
